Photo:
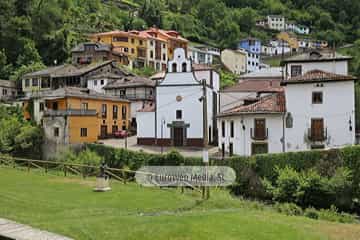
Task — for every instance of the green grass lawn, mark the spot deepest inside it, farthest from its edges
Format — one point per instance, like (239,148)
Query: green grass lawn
(69,206)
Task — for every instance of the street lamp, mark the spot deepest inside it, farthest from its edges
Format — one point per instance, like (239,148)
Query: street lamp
(162,134)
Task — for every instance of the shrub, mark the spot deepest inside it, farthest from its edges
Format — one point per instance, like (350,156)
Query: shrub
(289,209)
(287,185)
(333,215)
(311,213)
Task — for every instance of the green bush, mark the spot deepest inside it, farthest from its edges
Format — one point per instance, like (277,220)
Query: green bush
(289,209)
(333,215)
(311,213)
(311,178)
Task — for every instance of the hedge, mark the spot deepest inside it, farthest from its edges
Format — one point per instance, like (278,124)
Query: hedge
(251,171)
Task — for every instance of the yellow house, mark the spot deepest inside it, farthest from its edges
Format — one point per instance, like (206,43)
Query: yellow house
(291,40)
(152,47)
(76,115)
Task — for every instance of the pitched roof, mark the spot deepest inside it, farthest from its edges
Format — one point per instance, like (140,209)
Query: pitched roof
(264,73)
(77,93)
(68,70)
(7,83)
(130,81)
(317,56)
(318,76)
(158,76)
(274,103)
(255,86)
(98,47)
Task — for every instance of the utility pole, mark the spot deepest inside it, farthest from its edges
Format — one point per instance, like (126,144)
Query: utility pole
(205,120)
(206,189)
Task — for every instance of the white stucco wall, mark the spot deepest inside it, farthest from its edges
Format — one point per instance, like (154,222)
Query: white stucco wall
(98,87)
(190,106)
(337,109)
(145,124)
(242,140)
(339,67)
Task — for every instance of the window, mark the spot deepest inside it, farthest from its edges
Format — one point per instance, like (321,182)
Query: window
(115,111)
(164,57)
(84,106)
(317,97)
(95,82)
(132,51)
(232,129)
(296,70)
(231,149)
(178,114)
(120,39)
(122,93)
(35,82)
(140,42)
(103,110)
(123,112)
(56,132)
(83,132)
(151,54)
(42,107)
(164,46)
(174,66)
(126,49)
(102,82)
(4,92)
(223,128)
(151,43)
(114,128)
(55,106)
(184,66)
(132,41)
(27,82)
(259,148)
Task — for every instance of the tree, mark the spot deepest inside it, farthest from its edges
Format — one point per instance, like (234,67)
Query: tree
(228,33)
(151,12)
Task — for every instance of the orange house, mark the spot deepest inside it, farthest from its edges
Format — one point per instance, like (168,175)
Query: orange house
(76,115)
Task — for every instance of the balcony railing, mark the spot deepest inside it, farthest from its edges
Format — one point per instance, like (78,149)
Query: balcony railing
(69,112)
(262,136)
(318,136)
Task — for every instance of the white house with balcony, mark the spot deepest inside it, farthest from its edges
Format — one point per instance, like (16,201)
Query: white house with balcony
(276,22)
(203,54)
(176,117)
(314,110)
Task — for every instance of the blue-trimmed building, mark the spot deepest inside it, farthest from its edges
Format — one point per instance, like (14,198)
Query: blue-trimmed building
(253,48)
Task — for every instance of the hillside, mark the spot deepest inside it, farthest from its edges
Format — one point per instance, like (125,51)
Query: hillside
(36,32)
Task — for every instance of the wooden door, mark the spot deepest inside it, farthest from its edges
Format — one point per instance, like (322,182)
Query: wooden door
(103,131)
(178,136)
(317,129)
(260,129)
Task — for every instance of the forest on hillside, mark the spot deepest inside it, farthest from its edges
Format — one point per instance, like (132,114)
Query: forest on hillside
(34,33)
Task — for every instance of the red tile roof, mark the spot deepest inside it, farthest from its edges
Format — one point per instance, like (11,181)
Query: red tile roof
(318,76)
(274,103)
(255,86)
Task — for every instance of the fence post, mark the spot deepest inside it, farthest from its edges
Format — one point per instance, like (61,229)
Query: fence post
(64,169)
(46,167)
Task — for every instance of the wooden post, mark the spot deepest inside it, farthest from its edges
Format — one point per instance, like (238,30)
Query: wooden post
(64,168)
(46,167)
